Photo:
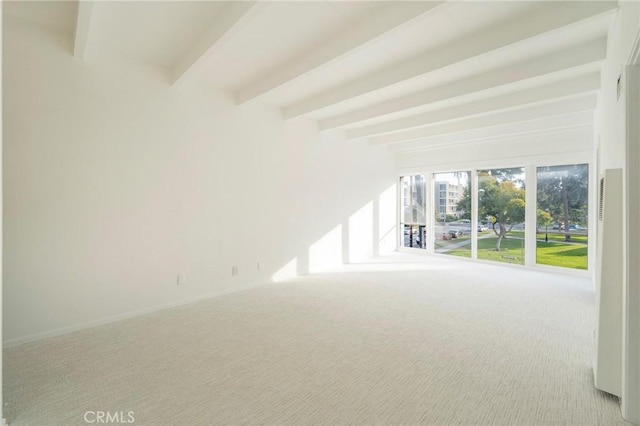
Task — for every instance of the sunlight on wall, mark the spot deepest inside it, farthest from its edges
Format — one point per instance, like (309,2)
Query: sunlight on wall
(327,251)
(387,220)
(290,270)
(360,236)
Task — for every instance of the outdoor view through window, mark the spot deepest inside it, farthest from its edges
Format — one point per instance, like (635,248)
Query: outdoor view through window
(501,208)
(563,193)
(561,210)
(452,218)
(414,220)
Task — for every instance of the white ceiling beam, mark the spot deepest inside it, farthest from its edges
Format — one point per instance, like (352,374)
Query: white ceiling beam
(360,33)
(229,19)
(561,107)
(566,88)
(576,56)
(549,17)
(532,127)
(83,24)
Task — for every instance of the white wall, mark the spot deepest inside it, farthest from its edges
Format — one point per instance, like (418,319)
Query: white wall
(115,183)
(610,113)
(612,116)
(502,152)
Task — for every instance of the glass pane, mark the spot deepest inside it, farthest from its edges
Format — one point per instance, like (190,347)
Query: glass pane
(418,200)
(452,209)
(562,216)
(413,220)
(407,240)
(501,208)
(406,199)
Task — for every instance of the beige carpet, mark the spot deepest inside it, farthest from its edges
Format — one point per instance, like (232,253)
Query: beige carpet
(413,340)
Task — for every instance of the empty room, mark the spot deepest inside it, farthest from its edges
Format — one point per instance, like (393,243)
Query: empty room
(320,212)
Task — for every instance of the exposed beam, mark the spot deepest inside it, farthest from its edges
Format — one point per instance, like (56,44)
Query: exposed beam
(567,88)
(381,21)
(230,17)
(577,56)
(565,106)
(547,18)
(506,131)
(83,23)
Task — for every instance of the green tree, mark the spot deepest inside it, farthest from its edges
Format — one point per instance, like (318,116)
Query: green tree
(563,192)
(501,196)
(544,218)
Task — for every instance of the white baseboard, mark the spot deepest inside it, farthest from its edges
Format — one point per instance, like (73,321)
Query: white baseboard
(115,318)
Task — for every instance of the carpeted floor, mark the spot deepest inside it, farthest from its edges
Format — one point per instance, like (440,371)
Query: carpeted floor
(404,340)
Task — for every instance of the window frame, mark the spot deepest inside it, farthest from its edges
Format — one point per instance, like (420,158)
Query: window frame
(530,165)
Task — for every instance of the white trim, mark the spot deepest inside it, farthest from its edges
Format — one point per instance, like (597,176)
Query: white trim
(474,213)
(631,228)
(577,273)
(430,207)
(77,327)
(530,218)
(579,157)
(413,250)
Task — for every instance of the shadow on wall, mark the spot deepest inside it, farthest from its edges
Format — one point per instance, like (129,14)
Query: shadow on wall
(368,232)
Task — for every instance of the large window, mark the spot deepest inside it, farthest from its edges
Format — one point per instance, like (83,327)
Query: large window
(414,222)
(481,214)
(501,209)
(562,216)
(452,215)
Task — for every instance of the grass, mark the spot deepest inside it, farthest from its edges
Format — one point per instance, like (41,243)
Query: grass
(561,254)
(555,253)
(463,251)
(511,250)
(560,238)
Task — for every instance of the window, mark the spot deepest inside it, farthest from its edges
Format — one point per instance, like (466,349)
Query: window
(413,215)
(501,206)
(490,223)
(452,216)
(562,216)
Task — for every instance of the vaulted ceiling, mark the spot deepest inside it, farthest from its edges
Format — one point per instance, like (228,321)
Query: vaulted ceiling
(409,75)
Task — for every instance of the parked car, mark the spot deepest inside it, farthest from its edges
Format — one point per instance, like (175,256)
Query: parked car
(482,228)
(455,233)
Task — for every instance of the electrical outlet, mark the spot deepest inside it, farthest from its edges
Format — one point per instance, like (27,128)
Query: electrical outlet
(182,279)
(234,271)
(258,266)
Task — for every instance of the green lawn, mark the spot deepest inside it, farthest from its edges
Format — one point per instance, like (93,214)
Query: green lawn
(511,250)
(561,254)
(463,241)
(555,253)
(560,238)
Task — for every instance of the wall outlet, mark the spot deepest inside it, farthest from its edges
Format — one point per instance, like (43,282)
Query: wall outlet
(257,266)
(234,271)
(182,279)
